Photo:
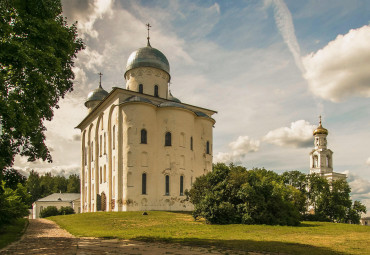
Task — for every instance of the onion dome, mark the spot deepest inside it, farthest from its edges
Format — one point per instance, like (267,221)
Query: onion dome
(96,95)
(172,98)
(148,57)
(320,130)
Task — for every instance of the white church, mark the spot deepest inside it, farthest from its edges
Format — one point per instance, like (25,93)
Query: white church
(142,147)
(321,158)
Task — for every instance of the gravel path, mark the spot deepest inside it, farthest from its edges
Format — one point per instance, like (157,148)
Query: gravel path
(46,237)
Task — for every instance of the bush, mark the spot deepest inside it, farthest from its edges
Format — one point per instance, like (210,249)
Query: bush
(49,211)
(66,210)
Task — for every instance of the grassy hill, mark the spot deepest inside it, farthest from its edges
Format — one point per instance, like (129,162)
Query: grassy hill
(309,238)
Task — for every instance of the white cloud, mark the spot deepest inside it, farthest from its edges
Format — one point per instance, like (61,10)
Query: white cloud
(298,135)
(341,69)
(368,161)
(284,22)
(360,189)
(239,148)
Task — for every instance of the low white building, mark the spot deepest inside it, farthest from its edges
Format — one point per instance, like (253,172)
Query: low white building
(58,200)
(365,221)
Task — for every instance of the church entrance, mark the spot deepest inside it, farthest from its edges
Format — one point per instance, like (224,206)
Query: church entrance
(103,202)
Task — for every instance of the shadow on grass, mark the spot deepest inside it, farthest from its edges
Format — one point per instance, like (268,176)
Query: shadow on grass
(249,245)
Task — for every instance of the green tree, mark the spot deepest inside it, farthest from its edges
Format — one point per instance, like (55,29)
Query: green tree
(49,211)
(65,210)
(354,213)
(236,195)
(73,184)
(33,185)
(36,59)
(12,177)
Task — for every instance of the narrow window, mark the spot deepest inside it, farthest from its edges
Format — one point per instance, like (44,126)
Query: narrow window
(105,173)
(167,185)
(141,88)
(191,143)
(85,158)
(143,184)
(181,185)
(167,139)
(101,175)
(105,144)
(156,91)
(207,147)
(143,136)
(92,151)
(114,137)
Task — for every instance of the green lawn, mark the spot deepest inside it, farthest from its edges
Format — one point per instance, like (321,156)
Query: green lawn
(12,232)
(309,238)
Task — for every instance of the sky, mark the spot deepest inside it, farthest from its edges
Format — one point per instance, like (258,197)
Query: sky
(269,68)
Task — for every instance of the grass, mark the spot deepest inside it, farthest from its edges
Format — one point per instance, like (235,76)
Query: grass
(309,238)
(12,232)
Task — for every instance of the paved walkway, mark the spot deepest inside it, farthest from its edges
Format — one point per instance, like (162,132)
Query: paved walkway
(46,237)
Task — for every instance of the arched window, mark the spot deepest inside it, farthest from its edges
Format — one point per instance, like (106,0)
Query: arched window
(143,136)
(167,141)
(105,173)
(167,185)
(328,161)
(141,90)
(100,146)
(191,143)
(181,185)
(156,91)
(101,175)
(114,137)
(207,147)
(143,184)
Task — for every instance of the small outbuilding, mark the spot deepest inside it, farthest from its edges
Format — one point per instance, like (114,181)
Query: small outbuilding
(365,221)
(58,200)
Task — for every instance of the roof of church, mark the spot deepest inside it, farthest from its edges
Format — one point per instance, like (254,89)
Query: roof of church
(148,57)
(320,129)
(172,98)
(55,197)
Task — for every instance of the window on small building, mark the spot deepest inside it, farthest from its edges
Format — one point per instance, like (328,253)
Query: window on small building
(181,185)
(167,141)
(167,185)
(156,91)
(143,184)
(208,152)
(141,89)
(143,136)
(191,143)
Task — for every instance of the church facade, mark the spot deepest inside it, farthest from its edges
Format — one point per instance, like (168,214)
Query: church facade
(321,158)
(141,147)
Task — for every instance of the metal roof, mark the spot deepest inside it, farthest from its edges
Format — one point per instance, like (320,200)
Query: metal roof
(55,197)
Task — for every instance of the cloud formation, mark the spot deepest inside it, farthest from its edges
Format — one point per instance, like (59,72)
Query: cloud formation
(360,188)
(284,22)
(298,135)
(341,69)
(239,148)
(368,161)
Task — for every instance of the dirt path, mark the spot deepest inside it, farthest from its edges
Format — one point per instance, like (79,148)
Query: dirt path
(46,237)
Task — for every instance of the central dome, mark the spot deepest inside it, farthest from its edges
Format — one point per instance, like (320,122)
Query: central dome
(148,57)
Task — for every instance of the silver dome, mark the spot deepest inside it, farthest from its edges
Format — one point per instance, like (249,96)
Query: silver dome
(148,57)
(137,99)
(172,98)
(96,95)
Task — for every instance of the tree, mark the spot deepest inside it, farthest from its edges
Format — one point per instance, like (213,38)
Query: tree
(65,210)
(73,184)
(12,177)
(37,52)
(354,213)
(236,195)
(49,211)
(33,186)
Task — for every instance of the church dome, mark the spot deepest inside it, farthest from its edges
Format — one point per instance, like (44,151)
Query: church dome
(148,57)
(96,95)
(320,130)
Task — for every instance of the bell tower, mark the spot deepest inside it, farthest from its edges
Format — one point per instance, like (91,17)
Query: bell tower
(321,158)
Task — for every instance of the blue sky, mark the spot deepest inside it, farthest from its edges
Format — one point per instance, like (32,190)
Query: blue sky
(269,68)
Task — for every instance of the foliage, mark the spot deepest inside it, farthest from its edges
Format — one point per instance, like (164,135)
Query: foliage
(13,203)
(36,59)
(65,210)
(53,211)
(49,211)
(307,238)
(12,232)
(236,195)
(354,213)
(12,177)
(47,184)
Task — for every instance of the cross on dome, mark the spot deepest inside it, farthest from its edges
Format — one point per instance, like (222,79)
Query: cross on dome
(100,75)
(149,26)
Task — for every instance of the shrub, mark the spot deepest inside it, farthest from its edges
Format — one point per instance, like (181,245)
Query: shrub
(49,211)
(66,210)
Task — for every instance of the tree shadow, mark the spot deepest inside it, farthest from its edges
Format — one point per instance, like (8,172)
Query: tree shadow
(248,246)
